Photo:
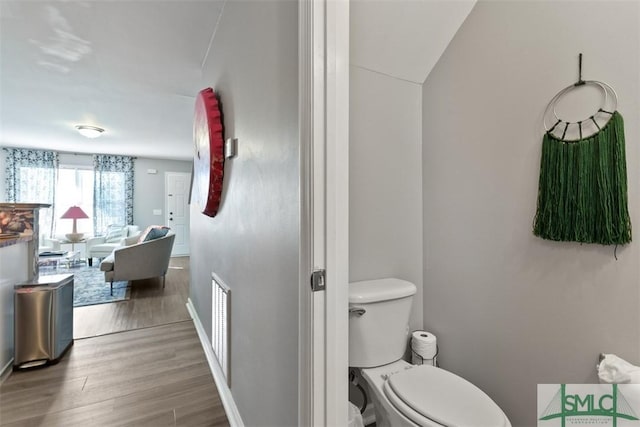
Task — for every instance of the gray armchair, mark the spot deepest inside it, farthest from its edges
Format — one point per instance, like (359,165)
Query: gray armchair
(139,261)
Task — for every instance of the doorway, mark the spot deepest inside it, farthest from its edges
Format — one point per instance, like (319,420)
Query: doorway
(177,185)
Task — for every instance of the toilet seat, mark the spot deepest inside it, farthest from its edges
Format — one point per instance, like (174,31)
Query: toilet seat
(426,394)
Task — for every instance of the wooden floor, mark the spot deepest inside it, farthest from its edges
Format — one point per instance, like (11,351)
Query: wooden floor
(149,305)
(154,376)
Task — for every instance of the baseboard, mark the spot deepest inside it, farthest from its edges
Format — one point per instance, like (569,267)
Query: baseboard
(6,371)
(230,408)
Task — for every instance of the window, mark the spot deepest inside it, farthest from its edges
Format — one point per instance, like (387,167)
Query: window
(74,188)
(35,186)
(113,190)
(31,178)
(112,203)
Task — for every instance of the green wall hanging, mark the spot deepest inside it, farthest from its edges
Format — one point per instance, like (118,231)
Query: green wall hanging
(582,191)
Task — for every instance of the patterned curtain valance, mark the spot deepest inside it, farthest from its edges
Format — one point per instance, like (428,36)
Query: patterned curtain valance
(110,163)
(112,191)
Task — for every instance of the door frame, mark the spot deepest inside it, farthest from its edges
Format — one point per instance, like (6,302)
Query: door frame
(324,216)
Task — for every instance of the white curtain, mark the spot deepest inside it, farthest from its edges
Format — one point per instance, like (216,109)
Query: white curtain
(31,177)
(112,191)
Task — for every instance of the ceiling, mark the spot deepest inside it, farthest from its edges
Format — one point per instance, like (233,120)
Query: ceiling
(134,67)
(130,67)
(406,38)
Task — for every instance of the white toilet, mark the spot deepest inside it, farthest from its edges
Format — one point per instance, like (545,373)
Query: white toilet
(405,394)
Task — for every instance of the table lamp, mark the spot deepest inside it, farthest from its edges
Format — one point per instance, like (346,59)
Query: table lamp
(74,213)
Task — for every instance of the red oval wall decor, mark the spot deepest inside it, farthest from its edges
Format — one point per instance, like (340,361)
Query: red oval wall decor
(208,158)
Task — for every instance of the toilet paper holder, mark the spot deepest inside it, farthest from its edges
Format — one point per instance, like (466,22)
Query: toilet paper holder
(422,359)
(435,356)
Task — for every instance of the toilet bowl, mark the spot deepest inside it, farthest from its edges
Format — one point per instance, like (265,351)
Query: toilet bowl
(405,394)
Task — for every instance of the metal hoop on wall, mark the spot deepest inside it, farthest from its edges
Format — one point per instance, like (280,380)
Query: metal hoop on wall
(607,91)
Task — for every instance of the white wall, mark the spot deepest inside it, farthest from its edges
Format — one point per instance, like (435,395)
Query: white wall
(385,181)
(252,243)
(403,38)
(149,192)
(511,310)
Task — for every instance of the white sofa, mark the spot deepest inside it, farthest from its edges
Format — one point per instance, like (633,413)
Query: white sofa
(139,261)
(101,247)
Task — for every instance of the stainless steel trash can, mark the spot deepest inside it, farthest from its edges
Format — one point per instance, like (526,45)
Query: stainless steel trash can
(43,323)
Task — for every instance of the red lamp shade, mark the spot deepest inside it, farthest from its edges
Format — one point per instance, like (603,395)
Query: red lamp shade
(74,212)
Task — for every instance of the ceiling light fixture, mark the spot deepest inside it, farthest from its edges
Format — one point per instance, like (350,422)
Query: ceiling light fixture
(89,131)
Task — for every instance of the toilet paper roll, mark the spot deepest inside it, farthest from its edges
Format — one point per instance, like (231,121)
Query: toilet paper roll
(424,348)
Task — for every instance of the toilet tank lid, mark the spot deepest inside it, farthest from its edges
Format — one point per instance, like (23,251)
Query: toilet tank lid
(367,291)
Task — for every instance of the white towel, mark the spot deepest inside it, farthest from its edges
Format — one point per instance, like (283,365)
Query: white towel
(614,370)
(355,418)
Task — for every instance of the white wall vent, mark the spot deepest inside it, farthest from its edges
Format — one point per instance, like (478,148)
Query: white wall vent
(220,319)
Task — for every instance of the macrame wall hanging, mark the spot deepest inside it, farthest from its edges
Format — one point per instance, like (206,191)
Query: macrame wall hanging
(582,192)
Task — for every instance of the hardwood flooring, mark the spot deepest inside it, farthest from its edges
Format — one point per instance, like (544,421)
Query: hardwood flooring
(153,376)
(149,305)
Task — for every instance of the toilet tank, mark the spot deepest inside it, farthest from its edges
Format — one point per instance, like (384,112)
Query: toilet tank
(378,321)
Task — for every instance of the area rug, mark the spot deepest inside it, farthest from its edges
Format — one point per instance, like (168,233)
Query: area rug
(89,287)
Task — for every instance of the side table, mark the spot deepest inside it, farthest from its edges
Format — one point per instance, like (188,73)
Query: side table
(73,248)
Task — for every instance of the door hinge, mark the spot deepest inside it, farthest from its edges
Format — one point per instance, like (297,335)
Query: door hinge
(318,280)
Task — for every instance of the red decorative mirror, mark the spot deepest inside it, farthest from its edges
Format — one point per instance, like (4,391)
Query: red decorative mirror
(208,161)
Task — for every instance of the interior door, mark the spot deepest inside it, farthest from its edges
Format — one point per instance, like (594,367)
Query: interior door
(177,209)
(324,136)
